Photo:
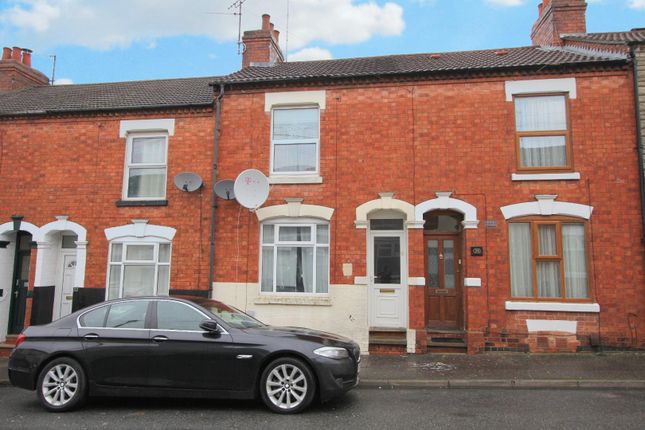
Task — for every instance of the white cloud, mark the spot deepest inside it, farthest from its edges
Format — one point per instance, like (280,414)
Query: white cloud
(307,54)
(637,4)
(109,24)
(63,81)
(505,3)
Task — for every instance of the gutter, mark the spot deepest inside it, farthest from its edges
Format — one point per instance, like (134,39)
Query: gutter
(639,140)
(218,128)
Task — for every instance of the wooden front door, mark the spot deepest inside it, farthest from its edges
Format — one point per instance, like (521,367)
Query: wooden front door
(443,281)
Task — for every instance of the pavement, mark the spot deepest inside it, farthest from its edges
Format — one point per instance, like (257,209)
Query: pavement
(611,370)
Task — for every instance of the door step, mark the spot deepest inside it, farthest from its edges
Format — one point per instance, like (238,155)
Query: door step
(5,349)
(387,342)
(447,341)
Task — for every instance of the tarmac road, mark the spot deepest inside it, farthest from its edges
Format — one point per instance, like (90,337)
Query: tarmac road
(360,409)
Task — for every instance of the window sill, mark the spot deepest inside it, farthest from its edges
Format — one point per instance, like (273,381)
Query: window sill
(296,179)
(552,307)
(572,176)
(138,203)
(292,300)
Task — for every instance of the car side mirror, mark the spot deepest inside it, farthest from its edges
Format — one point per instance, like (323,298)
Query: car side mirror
(210,326)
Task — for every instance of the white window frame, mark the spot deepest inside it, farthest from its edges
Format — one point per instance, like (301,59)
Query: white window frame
(129,165)
(291,142)
(312,243)
(155,261)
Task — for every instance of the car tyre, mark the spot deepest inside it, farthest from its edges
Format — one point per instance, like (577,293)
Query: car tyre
(62,385)
(287,385)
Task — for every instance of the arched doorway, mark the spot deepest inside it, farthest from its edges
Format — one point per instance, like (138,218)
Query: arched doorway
(442,231)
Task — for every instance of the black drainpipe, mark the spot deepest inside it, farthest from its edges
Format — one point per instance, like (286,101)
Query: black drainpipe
(218,116)
(639,140)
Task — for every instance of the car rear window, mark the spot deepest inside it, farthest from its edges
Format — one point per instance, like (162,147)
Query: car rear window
(95,318)
(131,314)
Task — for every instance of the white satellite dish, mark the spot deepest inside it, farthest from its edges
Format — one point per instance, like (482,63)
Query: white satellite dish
(188,181)
(224,189)
(251,188)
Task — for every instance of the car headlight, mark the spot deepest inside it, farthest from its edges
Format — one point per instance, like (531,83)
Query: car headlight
(332,352)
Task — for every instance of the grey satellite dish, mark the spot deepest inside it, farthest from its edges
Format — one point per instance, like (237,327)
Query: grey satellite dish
(251,188)
(188,181)
(224,189)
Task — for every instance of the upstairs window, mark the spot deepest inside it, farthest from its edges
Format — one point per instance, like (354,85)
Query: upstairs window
(548,260)
(542,133)
(145,167)
(295,258)
(295,141)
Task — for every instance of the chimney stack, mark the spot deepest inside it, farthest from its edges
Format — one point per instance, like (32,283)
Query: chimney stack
(16,71)
(261,46)
(556,17)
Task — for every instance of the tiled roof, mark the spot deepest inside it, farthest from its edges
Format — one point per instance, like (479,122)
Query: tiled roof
(165,93)
(618,37)
(485,60)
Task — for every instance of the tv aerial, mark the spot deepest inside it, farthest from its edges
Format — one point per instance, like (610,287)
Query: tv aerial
(188,181)
(251,189)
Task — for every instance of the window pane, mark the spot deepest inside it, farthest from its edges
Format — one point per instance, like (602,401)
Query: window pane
(146,183)
(114,282)
(449,264)
(540,113)
(164,253)
(128,315)
(387,260)
(546,240)
(140,253)
(548,278)
(543,151)
(521,259)
(322,270)
(95,318)
(268,234)
(267,269)
(442,223)
(575,261)
(294,234)
(295,269)
(433,263)
(386,224)
(322,233)
(117,250)
(138,280)
(299,157)
(294,124)
(69,242)
(163,281)
(148,150)
(177,316)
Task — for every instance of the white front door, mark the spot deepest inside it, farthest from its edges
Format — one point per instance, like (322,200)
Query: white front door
(387,274)
(65,290)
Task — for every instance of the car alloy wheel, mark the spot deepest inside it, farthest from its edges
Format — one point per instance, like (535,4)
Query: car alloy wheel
(288,385)
(61,385)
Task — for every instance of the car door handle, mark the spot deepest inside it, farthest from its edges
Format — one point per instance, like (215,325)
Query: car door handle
(160,338)
(91,336)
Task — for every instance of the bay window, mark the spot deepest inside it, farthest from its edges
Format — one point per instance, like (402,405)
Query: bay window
(295,258)
(138,269)
(548,259)
(542,133)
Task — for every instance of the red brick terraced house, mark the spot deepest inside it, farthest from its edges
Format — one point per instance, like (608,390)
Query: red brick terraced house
(460,201)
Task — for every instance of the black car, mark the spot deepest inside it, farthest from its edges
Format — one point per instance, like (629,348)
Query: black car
(193,347)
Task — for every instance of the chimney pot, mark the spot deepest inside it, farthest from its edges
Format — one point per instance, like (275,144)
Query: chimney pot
(15,53)
(540,6)
(6,53)
(266,21)
(276,35)
(26,57)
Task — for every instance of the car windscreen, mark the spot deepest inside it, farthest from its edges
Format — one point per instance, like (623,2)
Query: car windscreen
(230,315)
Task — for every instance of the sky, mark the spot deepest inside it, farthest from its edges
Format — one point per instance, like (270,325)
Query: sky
(123,40)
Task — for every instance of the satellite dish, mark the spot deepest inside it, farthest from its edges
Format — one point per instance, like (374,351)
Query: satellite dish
(251,188)
(224,189)
(188,181)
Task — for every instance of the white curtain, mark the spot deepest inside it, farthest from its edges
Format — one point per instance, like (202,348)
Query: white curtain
(149,150)
(548,278)
(299,157)
(267,268)
(543,151)
(163,280)
(294,271)
(521,260)
(295,124)
(138,280)
(546,240)
(322,270)
(114,281)
(542,113)
(148,182)
(575,261)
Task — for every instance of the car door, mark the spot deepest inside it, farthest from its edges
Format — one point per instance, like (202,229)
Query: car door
(185,356)
(116,343)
